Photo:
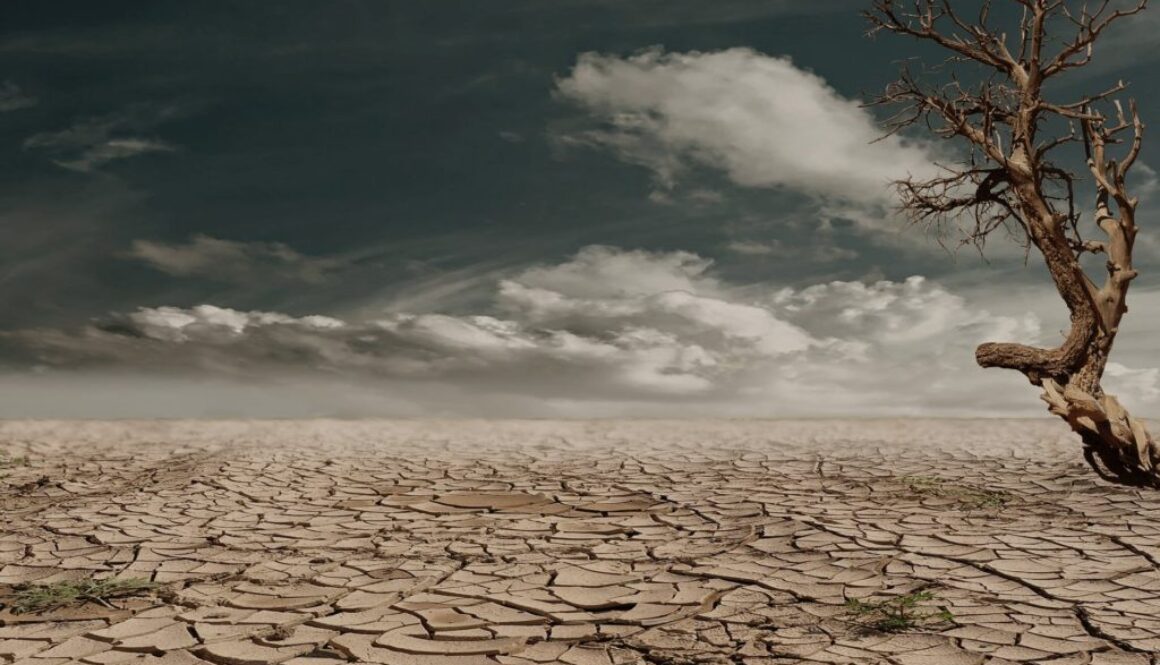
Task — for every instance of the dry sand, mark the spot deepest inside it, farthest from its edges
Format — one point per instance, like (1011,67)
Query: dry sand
(607,542)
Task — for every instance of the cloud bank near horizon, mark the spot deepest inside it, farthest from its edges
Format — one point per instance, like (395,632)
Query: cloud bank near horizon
(607,332)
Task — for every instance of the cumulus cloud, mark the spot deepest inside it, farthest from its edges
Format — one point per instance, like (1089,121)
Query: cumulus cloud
(608,332)
(1142,385)
(760,119)
(93,142)
(230,260)
(12,98)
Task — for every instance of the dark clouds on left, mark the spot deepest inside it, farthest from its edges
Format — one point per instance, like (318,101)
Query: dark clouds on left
(413,135)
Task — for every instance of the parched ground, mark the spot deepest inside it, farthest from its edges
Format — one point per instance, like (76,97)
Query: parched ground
(613,542)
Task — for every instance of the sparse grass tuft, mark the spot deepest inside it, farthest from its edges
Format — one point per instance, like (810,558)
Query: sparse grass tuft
(898,614)
(8,461)
(922,484)
(970,498)
(45,597)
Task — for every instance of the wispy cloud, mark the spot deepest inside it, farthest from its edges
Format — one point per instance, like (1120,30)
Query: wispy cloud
(93,142)
(1128,43)
(12,98)
(231,260)
(775,249)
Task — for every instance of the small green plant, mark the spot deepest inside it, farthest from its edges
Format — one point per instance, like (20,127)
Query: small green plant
(898,614)
(922,484)
(8,461)
(970,498)
(45,597)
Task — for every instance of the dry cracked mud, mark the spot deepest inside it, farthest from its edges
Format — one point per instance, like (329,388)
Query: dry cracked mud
(587,543)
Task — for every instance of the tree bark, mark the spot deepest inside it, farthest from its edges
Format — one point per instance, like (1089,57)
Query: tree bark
(1117,445)
(1020,185)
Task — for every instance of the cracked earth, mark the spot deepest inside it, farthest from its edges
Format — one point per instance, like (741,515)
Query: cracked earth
(602,543)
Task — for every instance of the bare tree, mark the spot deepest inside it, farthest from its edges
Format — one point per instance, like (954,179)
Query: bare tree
(1014,177)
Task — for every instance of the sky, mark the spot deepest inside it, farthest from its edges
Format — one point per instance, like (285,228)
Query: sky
(512,208)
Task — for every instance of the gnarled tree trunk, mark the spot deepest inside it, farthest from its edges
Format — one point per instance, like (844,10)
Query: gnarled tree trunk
(1020,188)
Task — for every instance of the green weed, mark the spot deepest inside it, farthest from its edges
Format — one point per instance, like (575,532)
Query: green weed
(970,498)
(898,614)
(45,597)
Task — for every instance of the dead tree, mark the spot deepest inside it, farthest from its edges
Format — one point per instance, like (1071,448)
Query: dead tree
(1014,176)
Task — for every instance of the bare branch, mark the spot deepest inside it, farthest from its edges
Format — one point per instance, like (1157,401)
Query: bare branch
(1090,25)
(980,195)
(923,21)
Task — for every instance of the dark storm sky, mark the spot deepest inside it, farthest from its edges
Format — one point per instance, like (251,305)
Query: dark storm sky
(357,159)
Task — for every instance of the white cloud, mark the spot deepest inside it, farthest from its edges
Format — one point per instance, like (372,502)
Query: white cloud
(1141,385)
(113,149)
(819,252)
(608,332)
(182,325)
(12,98)
(760,119)
(1147,182)
(231,260)
(754,248)
(93,142)
(608,272)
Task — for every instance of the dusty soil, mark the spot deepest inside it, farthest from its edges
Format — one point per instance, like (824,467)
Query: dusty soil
(464,543)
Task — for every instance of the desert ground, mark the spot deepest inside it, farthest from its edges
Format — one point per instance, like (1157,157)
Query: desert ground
(913,542)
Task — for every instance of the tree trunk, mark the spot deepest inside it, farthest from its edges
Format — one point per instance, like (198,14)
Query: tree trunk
(1116,444)
(1003,120)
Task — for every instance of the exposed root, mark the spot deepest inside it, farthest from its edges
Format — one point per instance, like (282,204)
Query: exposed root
(1116,444)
